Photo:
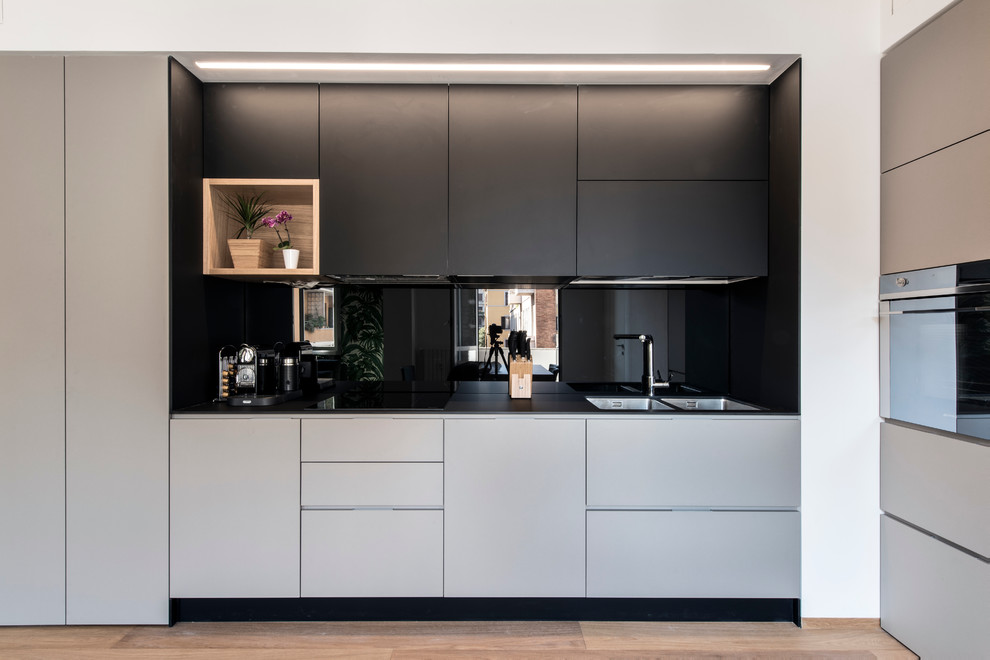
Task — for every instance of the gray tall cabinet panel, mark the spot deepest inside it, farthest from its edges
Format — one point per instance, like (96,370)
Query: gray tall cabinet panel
(32,410)
(934,210)
(383,173)
(935,155)
(116,229)
(935,89)
(935,118)
(513,158)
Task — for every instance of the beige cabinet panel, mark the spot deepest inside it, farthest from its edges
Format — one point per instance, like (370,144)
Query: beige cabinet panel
(935,90)
(933,211)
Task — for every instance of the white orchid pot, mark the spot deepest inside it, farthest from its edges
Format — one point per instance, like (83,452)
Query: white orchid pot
(291,257)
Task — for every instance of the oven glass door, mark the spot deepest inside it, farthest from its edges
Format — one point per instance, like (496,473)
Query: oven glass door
(939,363)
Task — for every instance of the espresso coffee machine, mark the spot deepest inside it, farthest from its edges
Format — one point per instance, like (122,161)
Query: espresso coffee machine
(250,376)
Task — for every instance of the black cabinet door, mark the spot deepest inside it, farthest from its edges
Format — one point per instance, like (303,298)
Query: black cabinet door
(716,132)
(513,160)
(253,131)
(383,183)
(672,228)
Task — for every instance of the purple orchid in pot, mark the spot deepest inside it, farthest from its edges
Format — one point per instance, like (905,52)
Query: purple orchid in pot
(290,255)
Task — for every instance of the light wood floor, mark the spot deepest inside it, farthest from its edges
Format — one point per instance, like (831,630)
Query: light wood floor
(508,640)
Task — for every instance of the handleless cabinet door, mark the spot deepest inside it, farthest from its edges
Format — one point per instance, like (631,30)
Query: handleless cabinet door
(32,408)
(938,483)
(694,554)
(383,179)
(116,400)
(934,87)
(933,210)
(261,131)
(514,508)
(234,508)
(513,158)
(677,228)
(673,132)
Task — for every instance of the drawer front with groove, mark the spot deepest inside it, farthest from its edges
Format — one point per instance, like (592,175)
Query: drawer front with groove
(372,484)
(358,439)
(694,554)
(372,553)
(694,462)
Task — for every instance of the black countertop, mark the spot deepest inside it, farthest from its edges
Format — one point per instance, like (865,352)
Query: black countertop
(423,397)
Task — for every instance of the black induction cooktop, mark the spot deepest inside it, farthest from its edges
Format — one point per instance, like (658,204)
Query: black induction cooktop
(387,395)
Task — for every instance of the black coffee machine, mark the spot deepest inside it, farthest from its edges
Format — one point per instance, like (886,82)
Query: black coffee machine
(252,376)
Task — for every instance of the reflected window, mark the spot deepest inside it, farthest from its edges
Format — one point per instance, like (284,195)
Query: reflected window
(316,316)
(532,310)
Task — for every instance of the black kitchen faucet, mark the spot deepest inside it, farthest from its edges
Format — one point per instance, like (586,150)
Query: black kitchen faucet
(648,380)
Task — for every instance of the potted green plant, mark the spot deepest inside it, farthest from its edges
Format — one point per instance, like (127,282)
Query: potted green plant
(248,211)
(290,255)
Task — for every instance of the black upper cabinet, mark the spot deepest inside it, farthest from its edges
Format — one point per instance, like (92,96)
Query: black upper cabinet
(383,189)
(254,131)
(672,228)
(673,132)
(513,159)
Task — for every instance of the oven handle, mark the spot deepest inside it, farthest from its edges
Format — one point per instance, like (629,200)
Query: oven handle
(942,310)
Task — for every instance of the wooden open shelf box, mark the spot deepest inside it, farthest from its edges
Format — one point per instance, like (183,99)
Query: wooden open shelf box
(300,197)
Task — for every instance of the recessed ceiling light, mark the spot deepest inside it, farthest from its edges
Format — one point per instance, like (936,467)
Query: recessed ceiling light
(480,67)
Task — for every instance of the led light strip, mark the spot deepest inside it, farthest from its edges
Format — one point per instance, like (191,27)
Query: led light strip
(480,67)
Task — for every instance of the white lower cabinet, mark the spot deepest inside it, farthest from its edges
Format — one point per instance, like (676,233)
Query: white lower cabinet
(694,554)
(384,553)
(514,508)
(234,508)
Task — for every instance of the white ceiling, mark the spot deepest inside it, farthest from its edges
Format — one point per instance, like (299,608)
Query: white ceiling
(778,63)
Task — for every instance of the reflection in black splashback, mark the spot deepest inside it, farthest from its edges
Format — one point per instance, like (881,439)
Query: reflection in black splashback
(386,395)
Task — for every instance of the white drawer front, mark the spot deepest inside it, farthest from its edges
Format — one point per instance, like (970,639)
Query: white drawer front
(372,440)
(694,462)
(372,484)
(372,553)
(937,483)
(694,554)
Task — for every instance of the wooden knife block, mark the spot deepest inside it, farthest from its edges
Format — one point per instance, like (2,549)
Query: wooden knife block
(520,379)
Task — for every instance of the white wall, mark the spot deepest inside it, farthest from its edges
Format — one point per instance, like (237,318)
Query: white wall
(840,42)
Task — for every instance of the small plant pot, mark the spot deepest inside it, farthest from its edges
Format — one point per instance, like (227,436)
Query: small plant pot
(245,252)
(291,257)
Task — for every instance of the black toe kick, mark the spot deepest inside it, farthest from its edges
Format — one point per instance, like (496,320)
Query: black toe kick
(485,609)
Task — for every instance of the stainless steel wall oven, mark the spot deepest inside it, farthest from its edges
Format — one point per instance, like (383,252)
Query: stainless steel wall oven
(935,348)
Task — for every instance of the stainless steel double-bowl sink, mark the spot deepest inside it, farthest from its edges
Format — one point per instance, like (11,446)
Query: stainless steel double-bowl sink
(701,403)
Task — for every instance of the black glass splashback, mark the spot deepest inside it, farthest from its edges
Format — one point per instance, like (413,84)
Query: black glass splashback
(379,395)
